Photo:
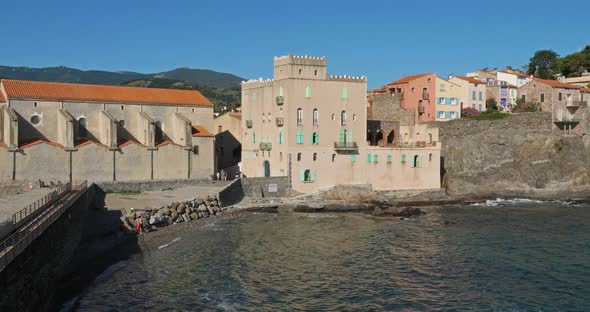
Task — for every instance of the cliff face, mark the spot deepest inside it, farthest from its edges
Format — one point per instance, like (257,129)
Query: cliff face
(514,157)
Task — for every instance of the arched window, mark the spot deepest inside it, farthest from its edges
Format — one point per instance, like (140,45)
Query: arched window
(262,117)
(333,157)
(333,116)
(430,157)
(430,138)
(390,137)
(315,138)
(298,156)
(406,138)
(82,132)
(315,117)
(353,116)
(415,162)
(343,118)
(308,92)
(315,156)
(379,136)
(418,137)
(307,175)
(299,116)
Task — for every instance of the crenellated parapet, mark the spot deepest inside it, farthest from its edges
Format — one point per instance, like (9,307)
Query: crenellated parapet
(347,78)
(256,83)
(291,59)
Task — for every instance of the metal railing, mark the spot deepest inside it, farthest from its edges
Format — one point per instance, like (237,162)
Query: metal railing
(345,145)
(31,210)
(15,244)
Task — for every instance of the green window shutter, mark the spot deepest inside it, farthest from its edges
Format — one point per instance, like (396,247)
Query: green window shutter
(307,92)
(280,91)
(313,176)
(375,158)
(369,158)
(268,139)
(249,115)
(412,162)
(342,136)
(388,158)
(403,157)
(301,175)
(420,162)
(350,136)
(311,138)
(254,137)
(344,93)
(280,137)
(353,158)
(317,138)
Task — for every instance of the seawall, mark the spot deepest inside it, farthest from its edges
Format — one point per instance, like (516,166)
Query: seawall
(520,156)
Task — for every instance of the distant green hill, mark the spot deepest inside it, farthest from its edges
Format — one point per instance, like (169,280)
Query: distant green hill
(228,97)
(65,74)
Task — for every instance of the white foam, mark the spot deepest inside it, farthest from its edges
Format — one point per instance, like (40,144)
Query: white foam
(170,243)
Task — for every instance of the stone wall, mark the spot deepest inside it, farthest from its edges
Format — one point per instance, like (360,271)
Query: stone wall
(264,187)
(146,185)
(388,107)
(519,156)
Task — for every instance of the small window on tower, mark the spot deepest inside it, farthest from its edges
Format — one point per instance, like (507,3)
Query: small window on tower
(299,71)
(315,72)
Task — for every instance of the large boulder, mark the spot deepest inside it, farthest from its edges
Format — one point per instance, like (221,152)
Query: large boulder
(405,212)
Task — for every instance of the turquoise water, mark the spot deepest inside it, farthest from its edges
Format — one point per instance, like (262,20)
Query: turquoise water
(504,256)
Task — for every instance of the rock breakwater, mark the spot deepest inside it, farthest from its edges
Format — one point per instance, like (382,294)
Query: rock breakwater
(177,212)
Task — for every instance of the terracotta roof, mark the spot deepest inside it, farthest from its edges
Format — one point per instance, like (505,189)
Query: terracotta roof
(33,142)
(557,84)
(98,93)
(200,131)
(471,79)
(166,142)
(2,99)
(125,142)
(585,89)
(407,79)
(84,142)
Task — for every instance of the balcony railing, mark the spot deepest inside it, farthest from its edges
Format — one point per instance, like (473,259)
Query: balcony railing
(280,100)
(268,146)
(249,123)
(262,146)
(345,146)
(280,121)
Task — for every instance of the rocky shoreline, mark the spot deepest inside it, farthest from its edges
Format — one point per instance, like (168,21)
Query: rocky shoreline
(146,220)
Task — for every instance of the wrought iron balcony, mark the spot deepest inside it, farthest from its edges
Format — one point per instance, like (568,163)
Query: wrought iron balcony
(345,146)
(268,146)
(249,123)
(280,121)
(280,100)
(262,146)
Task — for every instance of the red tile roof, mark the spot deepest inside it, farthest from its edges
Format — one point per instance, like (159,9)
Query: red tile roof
(166,142)
(98,93)
(85,142)
(200,131)
(32,142)
(585,89)
(125,142)
(557,84)
(407,79)
(471,79)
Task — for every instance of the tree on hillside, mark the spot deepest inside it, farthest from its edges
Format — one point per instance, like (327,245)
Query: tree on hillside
(575,64)
(491,104)
(544,64)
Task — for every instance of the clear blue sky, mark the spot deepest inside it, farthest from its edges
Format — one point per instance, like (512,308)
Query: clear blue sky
(379,39)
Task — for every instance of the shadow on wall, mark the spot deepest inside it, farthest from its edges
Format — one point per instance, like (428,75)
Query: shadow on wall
(443,172)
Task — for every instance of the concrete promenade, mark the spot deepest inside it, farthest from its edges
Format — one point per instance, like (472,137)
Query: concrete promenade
(158,198)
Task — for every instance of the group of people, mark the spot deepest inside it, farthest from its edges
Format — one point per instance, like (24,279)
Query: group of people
(222,175)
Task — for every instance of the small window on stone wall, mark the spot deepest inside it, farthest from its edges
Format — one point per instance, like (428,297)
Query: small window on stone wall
(36,120)
(298,156)
(122,123)
(35,104)
(122,107)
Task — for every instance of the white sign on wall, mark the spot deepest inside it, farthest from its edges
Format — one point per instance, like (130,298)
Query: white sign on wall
(273,188)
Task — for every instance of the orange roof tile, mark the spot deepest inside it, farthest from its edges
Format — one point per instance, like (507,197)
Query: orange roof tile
(200,131)
(471,80)
(557,84)
(98,93)
(585,89)
(408,79)
(32,142)
(125,142)
(166,142)
(84,142)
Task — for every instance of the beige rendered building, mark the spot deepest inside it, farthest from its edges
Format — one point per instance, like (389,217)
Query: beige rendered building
(312,126)
(473,92)
(228,146)
(61,132)
(448,100)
